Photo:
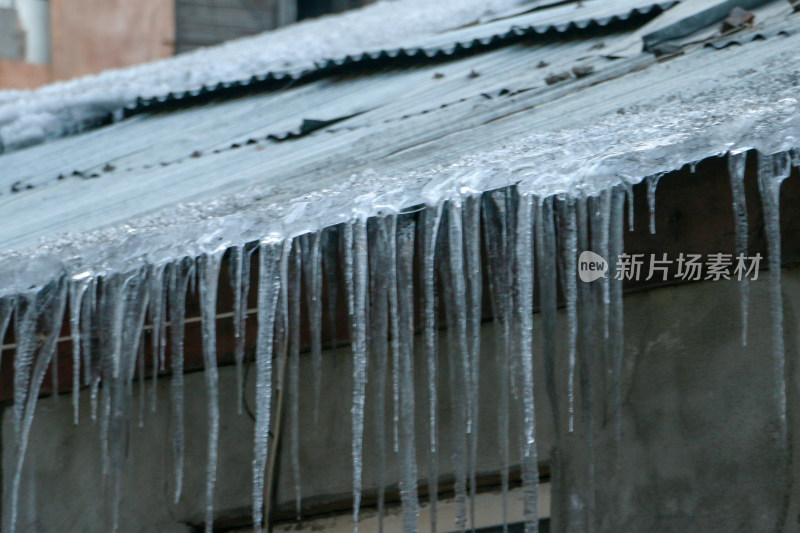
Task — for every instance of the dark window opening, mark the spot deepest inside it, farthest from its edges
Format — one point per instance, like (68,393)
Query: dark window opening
(313,8)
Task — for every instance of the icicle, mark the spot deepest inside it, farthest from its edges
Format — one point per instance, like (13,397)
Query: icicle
(616,347)
(6,309)
(209,265)
(50,304)
(432,218)
(240,286)
(524,309)
(141,372)
(456,305)
(331,267)
(474,286)
(589,316)
(113,333)
(547,254)
(390,228)
(772,170)
(570,250)
(54,384)
(24,333)
(269,284)
(77,288)
(312,272)
(379,347)
(295,271)
(90,323)
(602,217)
(499,250)
(652,184)
(134,295)
(736,168)
(356,269)
(178,284)
(159,323)
(115,288)
(405,290)
(629,198)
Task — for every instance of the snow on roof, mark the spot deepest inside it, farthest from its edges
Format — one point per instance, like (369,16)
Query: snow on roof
(631,119)
(28,117)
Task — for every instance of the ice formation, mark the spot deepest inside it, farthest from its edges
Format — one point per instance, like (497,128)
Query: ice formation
(522,208)
(514,227)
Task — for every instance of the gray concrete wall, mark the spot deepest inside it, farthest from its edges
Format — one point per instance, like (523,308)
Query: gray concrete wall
(699,450)
(12,44)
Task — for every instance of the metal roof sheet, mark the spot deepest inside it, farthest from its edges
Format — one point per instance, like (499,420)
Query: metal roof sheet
(164,176)
(541,23)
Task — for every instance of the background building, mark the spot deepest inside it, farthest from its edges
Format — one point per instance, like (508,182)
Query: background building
(43,41)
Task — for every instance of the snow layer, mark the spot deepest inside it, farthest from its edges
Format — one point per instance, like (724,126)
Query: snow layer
(702,119)
(29,117)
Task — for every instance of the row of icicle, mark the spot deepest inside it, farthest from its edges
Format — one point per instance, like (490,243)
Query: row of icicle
(526,244)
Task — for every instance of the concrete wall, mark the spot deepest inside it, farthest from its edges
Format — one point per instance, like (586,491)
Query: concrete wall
(93,35)
(12,39)
(698,453)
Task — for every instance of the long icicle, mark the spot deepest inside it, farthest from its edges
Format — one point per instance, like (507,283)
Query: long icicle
(405,291)
(432,217)
(178,284)
(312,272)
(77,288)
(772,170)
(269,284)
(616,348)
(602,218)
(589,316)
(499,251)
(50,303)
(379,348)
(457,320)
(113,334)
(295,270)
(474,285)
(240,284)
(546,254)
(209,280)
(159,323)
(524,311)
(87,323)
(135,296)
(330,265)
(25,335)
(391,243)
(570,251)
(356,270)
(736,168)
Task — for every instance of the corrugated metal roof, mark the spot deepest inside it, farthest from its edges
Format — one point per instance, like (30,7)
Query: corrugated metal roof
(747,37)
(390,97)
(540,24)
(493,113)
